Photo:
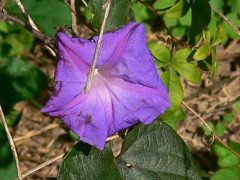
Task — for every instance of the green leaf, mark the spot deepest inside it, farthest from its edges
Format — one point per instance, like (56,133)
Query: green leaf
(220,129)
(206,64)
(13,118)
(22,81)
(228,117)
(179,31)
(235,5)
(161,53)
(230,173)
(175,118)
(228,29)
(202,52)
(86,162)
(175,90)
(9,171)
(178,10)
(186,20)
(201,16)
(159,4)
(155,151)
(218,36)
(152,151)
(225,157)
(46,14)
(237,106)
(119,15)
(187,70)
(206,130)
(214,63)
(207,36)
(141,12)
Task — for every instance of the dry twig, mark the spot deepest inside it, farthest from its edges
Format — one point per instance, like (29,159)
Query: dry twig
(43,37)
(35,132)
(226,19)
(43,165)
(223,107)
(12,145)
(94,62)
(2,4)
(210,129)
(85,3)
(74,17)
(32,24)
(112,137)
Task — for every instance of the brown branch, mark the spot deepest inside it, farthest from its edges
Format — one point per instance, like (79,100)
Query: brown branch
(27,16)
(85,3)
(32,24)
(226,19)
(35,132)
(12,145)
(210,129)
(4,16)
(217,85)
(74,17)
(94,62)
(2,4)
(223,107)
(43,165)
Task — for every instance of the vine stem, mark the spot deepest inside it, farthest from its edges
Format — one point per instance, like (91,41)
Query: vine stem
(32,24)
(2,4)
(85,3)
(210,129)
(74,17)
(226,19)
(4,16)
(12,145)
(94,62)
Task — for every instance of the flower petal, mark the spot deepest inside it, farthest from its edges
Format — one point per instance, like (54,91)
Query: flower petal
(87,118)
(133,103)
(64,93)
(113,44)
(75,56)
(135,63)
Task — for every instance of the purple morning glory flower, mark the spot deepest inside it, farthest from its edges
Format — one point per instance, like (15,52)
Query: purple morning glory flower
(126,88)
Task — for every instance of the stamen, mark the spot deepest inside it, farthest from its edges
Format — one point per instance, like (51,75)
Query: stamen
(95,71)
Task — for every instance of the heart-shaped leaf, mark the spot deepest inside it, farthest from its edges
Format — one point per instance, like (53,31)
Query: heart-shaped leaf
(182,66)
(152,151)
(178,10)
(119,15)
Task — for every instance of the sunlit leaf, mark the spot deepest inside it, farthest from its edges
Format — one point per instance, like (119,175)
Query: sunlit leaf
(202,52)
(160,52)
(173,84)
(178,10)
(182,66)
(207,36)
(214,63)
(218,36)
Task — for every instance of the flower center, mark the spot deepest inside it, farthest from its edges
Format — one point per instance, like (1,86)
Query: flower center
(95,71)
